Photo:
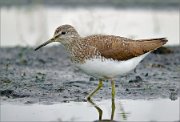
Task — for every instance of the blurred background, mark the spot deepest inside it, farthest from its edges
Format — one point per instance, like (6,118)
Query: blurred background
(31,22)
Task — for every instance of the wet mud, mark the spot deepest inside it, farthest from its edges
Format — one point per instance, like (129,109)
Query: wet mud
(49,76)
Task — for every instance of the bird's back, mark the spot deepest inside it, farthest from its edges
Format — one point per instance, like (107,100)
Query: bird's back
(120,48)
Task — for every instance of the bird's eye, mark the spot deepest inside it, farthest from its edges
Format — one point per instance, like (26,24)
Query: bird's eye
(63,33)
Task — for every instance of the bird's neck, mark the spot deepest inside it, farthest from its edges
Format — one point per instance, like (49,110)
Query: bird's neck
(76,49)
(69,43)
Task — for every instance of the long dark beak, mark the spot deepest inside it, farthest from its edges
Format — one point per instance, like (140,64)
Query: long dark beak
(45,43)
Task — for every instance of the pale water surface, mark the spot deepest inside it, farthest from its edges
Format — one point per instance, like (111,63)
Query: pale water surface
(126,110)
(32,25)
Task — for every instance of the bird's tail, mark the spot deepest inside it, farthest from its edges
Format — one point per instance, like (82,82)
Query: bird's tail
(152,44)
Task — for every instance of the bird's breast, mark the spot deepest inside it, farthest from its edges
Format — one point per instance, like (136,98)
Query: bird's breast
(108,68)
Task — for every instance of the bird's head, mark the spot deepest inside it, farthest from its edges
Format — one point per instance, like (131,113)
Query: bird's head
(63,34)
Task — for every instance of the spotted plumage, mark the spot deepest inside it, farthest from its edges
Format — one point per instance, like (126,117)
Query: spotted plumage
(112,47)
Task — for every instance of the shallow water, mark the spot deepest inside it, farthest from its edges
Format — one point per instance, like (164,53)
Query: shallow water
(127,110)
(32,25)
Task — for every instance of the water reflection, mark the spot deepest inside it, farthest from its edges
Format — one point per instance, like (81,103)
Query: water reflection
(100,112)
(106,110)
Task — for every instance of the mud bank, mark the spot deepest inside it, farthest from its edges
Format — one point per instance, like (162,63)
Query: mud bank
(48,76)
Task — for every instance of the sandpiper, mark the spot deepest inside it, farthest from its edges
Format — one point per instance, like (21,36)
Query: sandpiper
(103,56)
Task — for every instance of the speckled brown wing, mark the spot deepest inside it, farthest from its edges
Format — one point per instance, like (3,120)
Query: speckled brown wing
(120,48)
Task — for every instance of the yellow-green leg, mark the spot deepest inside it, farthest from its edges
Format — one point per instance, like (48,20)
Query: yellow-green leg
(113,89)
(113,97)
(93,92)
(113,109)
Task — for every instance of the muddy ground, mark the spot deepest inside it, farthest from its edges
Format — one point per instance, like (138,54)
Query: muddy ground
(48,76)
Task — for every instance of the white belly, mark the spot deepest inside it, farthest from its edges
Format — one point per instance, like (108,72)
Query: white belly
(108,68)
